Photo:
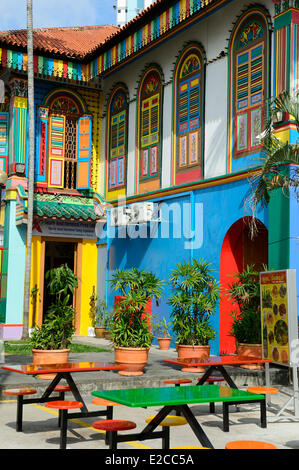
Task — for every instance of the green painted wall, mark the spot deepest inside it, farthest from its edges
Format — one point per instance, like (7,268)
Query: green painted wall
(279,229)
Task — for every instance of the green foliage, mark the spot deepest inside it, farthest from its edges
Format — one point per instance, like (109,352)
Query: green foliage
(275,151)
(130,325)
(137,280)
(161,327)
(98,311)
(58,327)
(195,294)
(245,293)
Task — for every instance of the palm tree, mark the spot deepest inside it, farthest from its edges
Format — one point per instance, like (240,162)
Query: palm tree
(276,154)
(25,334)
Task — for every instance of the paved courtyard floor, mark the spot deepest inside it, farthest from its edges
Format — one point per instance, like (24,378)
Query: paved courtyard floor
(40,429)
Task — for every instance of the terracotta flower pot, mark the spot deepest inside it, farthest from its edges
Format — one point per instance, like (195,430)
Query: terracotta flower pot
(134,360)
(50,356)
(199,352)
(164,343)
(250,350)
(99,331)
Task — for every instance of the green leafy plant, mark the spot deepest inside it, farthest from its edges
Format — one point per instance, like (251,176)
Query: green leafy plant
(195,294)
(161,327)
(58,327)
(93,307)
(101,314)
(135,280)
(130,325)
(245,293)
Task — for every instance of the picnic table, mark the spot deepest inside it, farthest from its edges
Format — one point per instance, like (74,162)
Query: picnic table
(219,363)
(178,399)
(63,371)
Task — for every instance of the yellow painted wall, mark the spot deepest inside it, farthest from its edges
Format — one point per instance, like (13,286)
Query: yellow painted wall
(88,280)
(283,135)
(114,195)
(35,278)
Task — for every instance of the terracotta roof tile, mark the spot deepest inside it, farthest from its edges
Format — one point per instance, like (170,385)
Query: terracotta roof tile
(67,41)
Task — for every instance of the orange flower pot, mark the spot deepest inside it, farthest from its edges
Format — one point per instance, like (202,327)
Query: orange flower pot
(132,359)
(164,343)
(50,356)
(250,350)
(199,352)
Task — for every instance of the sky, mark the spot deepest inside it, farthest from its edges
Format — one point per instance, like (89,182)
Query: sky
(53,13)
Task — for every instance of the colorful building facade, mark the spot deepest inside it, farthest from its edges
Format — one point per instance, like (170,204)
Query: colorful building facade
(181,100)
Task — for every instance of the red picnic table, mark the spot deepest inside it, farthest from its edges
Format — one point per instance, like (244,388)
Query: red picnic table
(63,371)
(219,363)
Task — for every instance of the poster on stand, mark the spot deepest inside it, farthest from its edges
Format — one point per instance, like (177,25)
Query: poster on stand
(278,314)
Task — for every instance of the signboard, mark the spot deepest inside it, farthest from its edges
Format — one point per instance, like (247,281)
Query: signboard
(279,314)
(64,229)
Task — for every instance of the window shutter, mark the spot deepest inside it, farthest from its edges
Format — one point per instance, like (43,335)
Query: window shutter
(42,139)
(84,152)
(4,126)
(56,151)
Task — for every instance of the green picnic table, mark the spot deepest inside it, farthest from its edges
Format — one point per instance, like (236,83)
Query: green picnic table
(178,399)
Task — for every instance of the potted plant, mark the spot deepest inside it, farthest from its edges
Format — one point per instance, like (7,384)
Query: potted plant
(109,324)
(161,330)
(50,342)
(246,324)
(130,327)
(100,319)
(195,294)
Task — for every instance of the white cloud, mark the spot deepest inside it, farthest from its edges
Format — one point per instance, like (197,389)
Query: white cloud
(53,13)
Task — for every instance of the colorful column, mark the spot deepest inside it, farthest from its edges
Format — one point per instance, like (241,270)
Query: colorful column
(286,60)
(18,127)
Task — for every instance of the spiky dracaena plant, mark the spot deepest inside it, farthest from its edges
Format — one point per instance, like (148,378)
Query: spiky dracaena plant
(195,294)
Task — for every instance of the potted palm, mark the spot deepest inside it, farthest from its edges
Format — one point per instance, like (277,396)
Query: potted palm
(161,330)
(50,342)
(195,294)
(246,324)
(131,330)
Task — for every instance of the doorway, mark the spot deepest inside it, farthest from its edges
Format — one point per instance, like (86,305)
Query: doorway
(56,254)
(238,251)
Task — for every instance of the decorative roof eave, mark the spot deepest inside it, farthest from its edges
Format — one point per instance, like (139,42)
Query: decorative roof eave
(62,207)
(48,67)
(140,35)
(149,30)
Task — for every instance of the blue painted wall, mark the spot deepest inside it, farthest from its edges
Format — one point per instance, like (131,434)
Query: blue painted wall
(15,239)
(220,207)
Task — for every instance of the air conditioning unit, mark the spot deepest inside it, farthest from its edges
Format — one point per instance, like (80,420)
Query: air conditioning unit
(141,212)
(119,216)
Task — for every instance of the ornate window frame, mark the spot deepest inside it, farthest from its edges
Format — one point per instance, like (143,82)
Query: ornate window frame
(249,88)
(149,128)
(117,141)
(188,123)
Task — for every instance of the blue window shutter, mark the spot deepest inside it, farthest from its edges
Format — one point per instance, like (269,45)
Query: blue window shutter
(84,152)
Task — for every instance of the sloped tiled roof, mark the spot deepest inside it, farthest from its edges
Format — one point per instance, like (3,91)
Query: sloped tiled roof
(63,206)
(75,42)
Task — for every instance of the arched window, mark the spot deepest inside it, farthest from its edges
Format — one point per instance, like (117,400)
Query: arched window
(249,83)
(118,125)
(149,102)
(189,79)
(64,159)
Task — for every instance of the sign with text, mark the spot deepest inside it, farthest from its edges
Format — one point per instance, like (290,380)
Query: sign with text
(64,229)
(278,314)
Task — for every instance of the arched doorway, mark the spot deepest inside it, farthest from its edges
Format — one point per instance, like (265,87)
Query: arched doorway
(238,250)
